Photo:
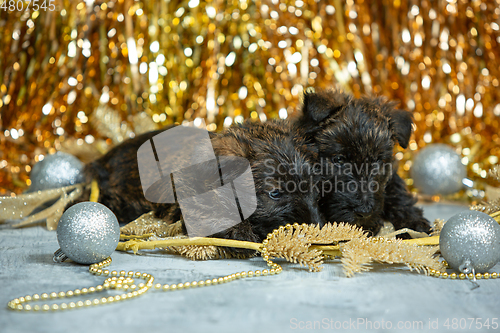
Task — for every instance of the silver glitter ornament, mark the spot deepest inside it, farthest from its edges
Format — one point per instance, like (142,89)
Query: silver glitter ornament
(470,242)
(56,170)
(88,232)
(437,169)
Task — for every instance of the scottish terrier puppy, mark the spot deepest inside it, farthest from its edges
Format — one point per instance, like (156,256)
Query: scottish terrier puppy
(354,140)
(279,163)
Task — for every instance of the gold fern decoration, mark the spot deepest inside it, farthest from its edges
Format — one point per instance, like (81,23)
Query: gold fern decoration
(293,245)
(359,252)
(490,207)
(437,225)
(294,242)
(304,244)
(148,227)
(207,252)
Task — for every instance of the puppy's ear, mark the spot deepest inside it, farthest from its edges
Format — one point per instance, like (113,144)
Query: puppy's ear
(400,122)
(317,106)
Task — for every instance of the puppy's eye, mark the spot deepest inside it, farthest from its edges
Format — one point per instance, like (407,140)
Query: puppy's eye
(275,194)
(338,159)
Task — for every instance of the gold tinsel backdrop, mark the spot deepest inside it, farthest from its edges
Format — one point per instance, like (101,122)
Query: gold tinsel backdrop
(85,75)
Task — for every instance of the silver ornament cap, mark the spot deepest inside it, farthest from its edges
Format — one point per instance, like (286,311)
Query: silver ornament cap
(88,232)
(56,170)
(470,242)
(438,169)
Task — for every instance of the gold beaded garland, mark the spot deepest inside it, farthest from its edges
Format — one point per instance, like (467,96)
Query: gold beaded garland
(462,276)
(126,281)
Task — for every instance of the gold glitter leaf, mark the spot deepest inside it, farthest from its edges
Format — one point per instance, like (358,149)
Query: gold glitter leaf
(359,252)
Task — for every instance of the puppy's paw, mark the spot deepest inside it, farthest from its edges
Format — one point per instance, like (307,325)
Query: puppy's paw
(416,223)
(420,224)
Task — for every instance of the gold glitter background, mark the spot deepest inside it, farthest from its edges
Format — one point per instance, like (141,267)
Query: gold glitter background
(88,74)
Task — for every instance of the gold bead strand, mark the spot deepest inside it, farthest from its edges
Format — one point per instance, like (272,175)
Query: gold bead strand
(125,281)
(118,280)
(274,269)
(461,276)
(210,282)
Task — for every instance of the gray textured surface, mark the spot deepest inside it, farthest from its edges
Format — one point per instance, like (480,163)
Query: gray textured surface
(263,304)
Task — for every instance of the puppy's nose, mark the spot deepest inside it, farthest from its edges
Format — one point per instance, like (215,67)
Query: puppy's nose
(363,215)
(363,212)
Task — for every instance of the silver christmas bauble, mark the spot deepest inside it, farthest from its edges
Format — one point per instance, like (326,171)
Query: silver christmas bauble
(56,170)
(88,232)
(470,240)
(438,169)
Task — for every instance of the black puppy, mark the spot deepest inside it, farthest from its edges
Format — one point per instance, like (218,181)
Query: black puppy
(354,139)
(277,159)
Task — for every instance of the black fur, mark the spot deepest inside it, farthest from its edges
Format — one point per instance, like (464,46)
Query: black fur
(354,139)
(267,147)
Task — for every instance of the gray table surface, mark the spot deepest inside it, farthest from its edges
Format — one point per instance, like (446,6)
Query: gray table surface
(383,299)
